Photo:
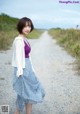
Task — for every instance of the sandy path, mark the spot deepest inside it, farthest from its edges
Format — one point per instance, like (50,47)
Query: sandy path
(54,69)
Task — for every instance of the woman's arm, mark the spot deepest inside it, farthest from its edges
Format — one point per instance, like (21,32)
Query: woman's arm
(19,52)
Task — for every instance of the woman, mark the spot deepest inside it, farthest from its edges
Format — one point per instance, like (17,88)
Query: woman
(27,86)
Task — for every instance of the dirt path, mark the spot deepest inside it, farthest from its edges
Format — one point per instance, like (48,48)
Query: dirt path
(54,69)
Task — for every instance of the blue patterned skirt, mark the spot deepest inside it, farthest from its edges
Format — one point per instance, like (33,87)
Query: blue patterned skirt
(28,86)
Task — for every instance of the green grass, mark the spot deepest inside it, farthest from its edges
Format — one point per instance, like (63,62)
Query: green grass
(7,23)
(6,39)
(8,31)
(69,39)
(36,33)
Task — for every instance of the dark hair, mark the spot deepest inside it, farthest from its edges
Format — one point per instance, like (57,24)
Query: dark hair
(22,23)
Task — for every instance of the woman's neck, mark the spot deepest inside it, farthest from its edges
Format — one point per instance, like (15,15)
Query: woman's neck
(22,35)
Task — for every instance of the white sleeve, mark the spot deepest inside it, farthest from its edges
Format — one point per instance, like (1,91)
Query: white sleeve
(19,50)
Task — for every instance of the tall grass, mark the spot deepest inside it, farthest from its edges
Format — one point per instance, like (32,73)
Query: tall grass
(35,33)
(70,40)
(8,31)
(6,39)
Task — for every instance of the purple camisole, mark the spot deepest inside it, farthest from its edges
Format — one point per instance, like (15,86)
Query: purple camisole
(27,49)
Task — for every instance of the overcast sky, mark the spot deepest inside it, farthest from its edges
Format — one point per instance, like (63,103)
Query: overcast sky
(44,13)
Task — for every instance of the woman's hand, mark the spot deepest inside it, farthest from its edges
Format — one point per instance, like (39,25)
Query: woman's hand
(19,72)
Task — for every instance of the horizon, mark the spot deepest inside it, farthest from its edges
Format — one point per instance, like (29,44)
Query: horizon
(45,15)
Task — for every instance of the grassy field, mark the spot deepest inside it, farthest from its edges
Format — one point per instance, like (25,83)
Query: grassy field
(8,31)
(70,40)
(35,33)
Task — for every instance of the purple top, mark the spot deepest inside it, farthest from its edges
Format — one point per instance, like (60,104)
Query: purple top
(27,49)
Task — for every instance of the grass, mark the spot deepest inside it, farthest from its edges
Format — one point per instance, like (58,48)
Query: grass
(70,40)
(6,39)
(36,33)
(8,31)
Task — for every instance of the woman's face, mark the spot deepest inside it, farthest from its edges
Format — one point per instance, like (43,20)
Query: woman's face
(26,30)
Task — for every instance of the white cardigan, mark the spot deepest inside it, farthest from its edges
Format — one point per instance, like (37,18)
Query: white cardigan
(18,58)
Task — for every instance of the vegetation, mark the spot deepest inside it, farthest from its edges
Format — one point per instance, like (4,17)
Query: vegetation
(35,33)
(70,40)
(8,31)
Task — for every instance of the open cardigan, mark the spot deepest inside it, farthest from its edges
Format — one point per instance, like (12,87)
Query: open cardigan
(18,58)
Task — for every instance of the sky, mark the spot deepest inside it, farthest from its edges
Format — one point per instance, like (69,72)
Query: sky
(44,13)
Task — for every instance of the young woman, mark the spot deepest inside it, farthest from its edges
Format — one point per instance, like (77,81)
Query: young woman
(27,86)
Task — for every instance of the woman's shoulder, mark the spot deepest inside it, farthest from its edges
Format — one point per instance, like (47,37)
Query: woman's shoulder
(18,38)
(18,41)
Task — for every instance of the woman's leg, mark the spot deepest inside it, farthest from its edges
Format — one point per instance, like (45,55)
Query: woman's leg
(17,111)
(28,108)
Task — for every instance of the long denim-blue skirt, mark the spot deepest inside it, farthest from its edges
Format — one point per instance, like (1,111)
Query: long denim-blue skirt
(28,87)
